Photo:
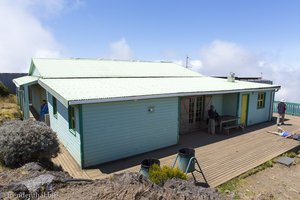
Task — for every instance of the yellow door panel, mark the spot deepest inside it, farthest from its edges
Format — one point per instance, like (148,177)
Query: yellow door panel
(244,109)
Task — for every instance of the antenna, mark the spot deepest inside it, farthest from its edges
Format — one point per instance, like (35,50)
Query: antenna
(187,62)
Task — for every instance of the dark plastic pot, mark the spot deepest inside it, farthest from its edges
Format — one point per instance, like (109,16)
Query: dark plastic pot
(146,164)
(184,156)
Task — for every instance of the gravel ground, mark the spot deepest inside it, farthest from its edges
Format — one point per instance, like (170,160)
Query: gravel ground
(278,182)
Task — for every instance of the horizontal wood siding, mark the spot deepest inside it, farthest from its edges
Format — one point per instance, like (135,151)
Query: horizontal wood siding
(217,102)
(61,126)
(121,129)
(256,115)
(230,104)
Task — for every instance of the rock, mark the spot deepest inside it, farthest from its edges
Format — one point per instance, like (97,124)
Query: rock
(42,183)
(35,184)
(18,188)
(3,176)
(33,166)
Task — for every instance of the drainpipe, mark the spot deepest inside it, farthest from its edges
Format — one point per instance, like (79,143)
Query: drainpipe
(26,103)
(271,105)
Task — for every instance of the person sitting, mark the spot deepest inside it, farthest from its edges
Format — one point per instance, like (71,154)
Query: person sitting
(44,110)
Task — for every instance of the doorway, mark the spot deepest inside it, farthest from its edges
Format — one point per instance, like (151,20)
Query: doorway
(244,109)
(192,114)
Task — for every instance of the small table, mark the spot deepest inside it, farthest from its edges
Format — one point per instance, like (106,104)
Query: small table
(225,119)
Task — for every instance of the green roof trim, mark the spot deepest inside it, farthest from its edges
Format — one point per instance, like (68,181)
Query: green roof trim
(81,136)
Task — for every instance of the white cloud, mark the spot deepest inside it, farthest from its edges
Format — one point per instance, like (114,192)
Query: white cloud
(192,64)
(50,7)
(196,65)
(222,57)
(120,50)
(22,37)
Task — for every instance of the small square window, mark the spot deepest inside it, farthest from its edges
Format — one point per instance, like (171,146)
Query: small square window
(261,100)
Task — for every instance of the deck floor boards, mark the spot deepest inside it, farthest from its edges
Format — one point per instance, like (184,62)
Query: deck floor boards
(220,160)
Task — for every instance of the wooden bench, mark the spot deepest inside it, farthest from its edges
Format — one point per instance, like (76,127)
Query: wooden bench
(235,126)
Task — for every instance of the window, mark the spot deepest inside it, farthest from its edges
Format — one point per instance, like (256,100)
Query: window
(261,100)
(54,102)
(72,119)
(199,108)
(191,110)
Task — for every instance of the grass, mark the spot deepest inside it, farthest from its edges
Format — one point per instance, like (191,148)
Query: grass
(9,109)
(290,154)
(231,186)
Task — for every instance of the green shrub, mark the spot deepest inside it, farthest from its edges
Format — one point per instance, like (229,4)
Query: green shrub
(4,91)
(26,141)
(159,175)
(290,154)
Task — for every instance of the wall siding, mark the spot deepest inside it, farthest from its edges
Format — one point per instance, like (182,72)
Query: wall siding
(121,129)
(255,115)
(61,126)
(230,104)
(217,102)
(35,72)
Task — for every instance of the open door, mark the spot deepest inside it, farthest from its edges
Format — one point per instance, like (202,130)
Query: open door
(244,109)
(192,113)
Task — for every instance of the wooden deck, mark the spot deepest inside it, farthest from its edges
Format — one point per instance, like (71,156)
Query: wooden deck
(221,157)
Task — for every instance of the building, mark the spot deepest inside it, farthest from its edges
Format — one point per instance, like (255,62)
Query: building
(255,79)
(104,110)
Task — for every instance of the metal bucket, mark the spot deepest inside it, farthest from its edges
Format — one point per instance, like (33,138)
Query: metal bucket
(184,157)
(146,164)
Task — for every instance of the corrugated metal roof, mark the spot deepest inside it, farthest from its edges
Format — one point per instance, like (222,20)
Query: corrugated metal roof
(88,68)
(25,80)
(91,90)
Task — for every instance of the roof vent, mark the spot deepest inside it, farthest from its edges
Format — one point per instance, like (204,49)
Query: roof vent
(231,77)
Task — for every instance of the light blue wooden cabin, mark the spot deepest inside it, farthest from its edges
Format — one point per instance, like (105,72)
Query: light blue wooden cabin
(104,110)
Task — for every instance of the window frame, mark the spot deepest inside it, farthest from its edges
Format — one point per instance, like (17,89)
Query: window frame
(199,108)
(72,119)
(54,104)
(191,110)
(261,99)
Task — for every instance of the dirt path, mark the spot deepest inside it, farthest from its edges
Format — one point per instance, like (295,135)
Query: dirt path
(278,182)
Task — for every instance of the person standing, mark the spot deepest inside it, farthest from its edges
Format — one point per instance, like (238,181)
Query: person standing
(44,110)
(211,120)
(281,107)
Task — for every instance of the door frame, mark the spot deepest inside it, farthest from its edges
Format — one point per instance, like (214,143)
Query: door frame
(184,125)
(247,108)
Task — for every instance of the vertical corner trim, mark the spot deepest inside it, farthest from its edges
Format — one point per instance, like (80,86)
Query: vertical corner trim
(179,119)
(81,136)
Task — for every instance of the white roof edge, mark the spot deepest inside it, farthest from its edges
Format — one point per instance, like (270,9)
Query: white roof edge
(55,94)
(118,77)
(30,80)
(90,101)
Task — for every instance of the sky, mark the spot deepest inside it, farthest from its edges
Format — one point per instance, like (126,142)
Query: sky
(247,37)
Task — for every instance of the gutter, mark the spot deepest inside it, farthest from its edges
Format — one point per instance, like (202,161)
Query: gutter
(90,101)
